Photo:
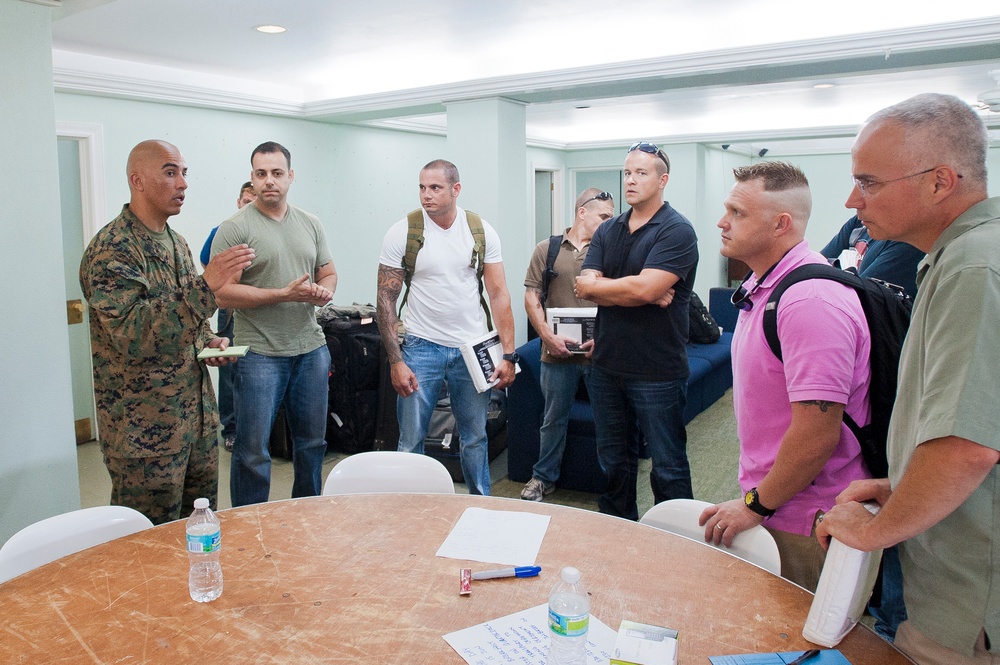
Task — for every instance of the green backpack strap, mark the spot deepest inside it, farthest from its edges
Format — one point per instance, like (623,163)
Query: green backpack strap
(478,261)
(415,241)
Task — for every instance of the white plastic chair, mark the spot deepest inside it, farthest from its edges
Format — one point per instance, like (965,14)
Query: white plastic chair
(61,535)
(680,516)
(388,471)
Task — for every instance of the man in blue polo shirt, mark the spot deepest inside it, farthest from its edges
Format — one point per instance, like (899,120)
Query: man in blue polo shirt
(640,270)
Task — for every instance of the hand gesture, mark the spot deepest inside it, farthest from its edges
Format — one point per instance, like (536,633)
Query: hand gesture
(227,264)
(302,290)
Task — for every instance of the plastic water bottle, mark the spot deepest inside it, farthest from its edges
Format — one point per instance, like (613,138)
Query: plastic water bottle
(569,618)
(204,541)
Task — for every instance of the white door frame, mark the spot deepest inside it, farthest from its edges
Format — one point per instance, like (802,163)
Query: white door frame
(90,138)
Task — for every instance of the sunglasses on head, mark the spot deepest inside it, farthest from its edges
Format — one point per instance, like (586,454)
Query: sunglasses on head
(603,196)
(651,149)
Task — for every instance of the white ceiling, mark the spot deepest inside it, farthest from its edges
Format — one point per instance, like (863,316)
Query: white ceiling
(727,71)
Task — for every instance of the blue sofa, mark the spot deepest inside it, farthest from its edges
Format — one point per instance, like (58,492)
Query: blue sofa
(711,376)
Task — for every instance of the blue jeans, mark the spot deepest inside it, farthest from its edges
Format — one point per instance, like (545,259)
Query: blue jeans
(559,383)
(626,411)
(434,364)
(227,374)
(891,612)
(263,383)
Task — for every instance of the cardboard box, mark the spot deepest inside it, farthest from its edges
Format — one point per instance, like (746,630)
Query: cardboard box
(642,644)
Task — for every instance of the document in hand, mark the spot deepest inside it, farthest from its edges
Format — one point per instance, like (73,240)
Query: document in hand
(576,323)
(842,594)
(482,355)
(231,352)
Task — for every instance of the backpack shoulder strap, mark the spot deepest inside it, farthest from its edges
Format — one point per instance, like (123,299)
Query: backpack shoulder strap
(808,271)
(414,242)
(555,242)
(478,260)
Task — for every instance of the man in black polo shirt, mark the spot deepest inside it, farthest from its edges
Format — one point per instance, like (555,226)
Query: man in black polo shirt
(640,270)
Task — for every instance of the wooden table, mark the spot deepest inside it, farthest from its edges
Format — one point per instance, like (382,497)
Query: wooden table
(355,579)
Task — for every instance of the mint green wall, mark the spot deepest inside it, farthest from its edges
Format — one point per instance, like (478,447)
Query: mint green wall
(38,472)
(358,180)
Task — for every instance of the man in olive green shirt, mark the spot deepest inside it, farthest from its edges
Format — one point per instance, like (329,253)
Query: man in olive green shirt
(920,177)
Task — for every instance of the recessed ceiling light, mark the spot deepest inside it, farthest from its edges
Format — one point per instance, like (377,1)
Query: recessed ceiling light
(823,86)
(270,29)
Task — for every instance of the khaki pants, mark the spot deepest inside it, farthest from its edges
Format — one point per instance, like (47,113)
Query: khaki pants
(925,651)
(802,557)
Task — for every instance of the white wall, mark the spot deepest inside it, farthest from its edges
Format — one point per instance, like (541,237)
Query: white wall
(38,472)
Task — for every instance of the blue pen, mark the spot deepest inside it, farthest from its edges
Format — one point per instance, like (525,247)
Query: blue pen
(520,571)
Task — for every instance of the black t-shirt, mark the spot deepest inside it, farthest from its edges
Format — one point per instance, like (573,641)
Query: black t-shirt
(645,342)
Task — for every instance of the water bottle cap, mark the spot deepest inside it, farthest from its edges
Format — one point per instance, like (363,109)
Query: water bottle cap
(570,575)
(200,504)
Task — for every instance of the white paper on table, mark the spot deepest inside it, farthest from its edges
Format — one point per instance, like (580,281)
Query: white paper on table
(496,536)
(523,637)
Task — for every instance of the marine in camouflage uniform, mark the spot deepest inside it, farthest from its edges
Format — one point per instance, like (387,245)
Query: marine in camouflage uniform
(149,317)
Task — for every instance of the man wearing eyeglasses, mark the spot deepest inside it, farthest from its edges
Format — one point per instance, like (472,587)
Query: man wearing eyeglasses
(796,453)
(640,270)
(920,177)
(561,367)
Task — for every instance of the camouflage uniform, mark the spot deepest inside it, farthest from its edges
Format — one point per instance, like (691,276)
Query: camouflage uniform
(156,410)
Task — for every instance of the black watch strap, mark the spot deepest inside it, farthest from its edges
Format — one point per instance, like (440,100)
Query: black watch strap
(752,501)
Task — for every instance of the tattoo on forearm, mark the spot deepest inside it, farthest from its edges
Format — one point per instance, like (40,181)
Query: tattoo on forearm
(390,283)
(823,405)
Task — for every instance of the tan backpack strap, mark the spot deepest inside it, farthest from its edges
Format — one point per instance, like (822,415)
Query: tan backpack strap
(478,261)
(414,242)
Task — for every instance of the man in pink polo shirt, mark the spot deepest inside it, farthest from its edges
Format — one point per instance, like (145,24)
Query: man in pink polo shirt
(796,453)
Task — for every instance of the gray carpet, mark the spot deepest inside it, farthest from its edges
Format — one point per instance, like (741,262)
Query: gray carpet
(713,452)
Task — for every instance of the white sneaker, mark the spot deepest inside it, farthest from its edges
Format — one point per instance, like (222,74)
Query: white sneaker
(536,490)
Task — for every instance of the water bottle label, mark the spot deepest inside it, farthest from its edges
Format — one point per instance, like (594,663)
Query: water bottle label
(204,544)
(568,626)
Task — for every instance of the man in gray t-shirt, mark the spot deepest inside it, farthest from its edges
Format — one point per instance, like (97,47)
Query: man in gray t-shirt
(275,299)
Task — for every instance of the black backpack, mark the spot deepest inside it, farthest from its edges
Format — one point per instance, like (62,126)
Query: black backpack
(702,327)
(887,312)
(555,242)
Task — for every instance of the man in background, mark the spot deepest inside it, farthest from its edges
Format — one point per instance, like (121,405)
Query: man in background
(920,177)
(561,368)
(224,324)
(275,301)
(887,260)
(149,312)
(444,311)
(640,270)
(796,453)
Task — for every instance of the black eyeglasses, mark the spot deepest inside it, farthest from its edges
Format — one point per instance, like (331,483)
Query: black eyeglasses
(603,196)
(651,149)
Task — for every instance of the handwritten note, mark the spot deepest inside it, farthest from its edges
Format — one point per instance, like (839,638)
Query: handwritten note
(523,637)
(496,536)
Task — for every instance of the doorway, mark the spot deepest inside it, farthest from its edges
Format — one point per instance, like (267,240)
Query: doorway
(80,179)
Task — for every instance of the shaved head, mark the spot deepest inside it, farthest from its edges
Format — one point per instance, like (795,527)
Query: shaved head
(157,179)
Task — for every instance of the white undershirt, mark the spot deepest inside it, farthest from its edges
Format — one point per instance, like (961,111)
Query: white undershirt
(443,305)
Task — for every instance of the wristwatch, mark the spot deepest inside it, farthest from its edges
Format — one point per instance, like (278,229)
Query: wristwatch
(752,501)
(512,357)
